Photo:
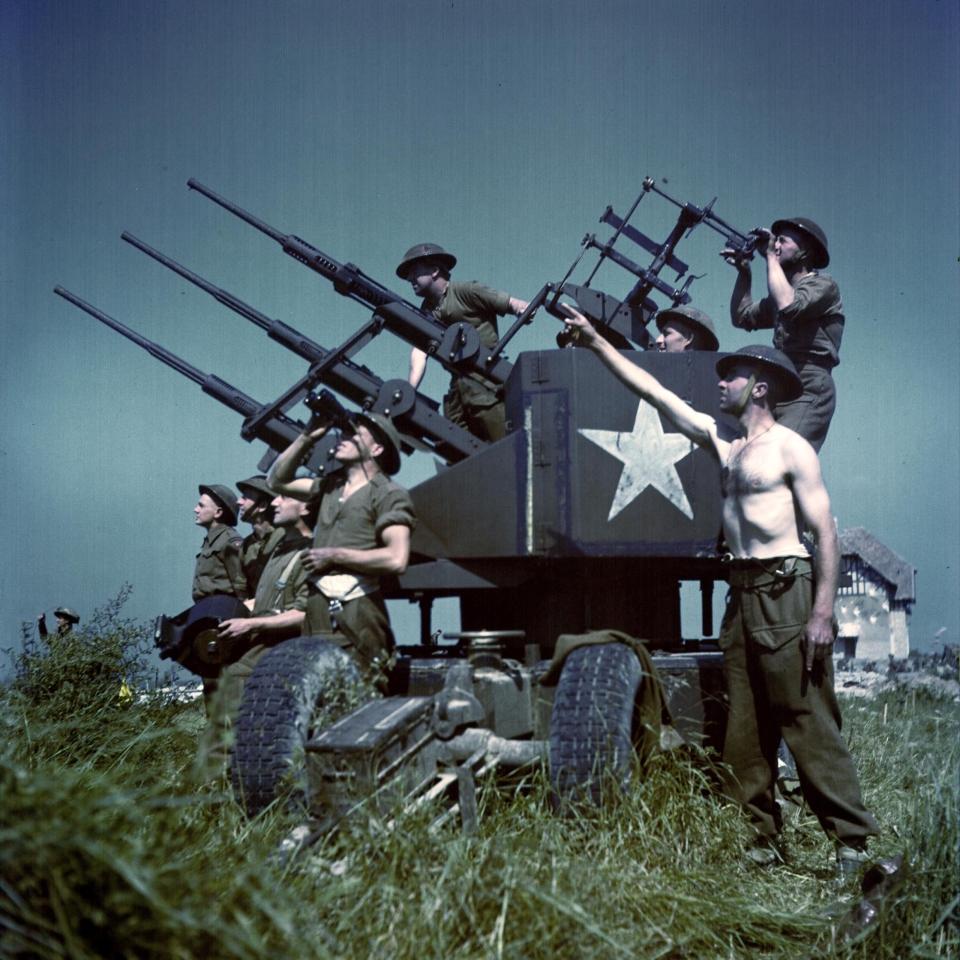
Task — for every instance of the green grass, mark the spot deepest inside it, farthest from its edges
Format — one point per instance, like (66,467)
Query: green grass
(106,850)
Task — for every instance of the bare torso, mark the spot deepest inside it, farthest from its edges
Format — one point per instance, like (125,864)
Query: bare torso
(759,512)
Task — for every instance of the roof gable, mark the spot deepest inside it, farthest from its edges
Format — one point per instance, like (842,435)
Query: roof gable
(892,567)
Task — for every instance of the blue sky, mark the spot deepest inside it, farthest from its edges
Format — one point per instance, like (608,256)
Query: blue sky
(499,130)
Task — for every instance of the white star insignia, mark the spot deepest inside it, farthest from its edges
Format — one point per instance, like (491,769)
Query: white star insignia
(649,458)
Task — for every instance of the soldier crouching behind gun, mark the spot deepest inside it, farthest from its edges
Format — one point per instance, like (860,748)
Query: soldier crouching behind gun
(362,533)
(778,630)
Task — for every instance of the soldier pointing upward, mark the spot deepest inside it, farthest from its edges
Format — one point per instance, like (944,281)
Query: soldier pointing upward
(778,630)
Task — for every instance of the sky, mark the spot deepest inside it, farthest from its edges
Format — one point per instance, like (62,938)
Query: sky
(500,130)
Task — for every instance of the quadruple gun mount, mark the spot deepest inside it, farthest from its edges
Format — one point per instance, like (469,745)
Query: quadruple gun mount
(583,518)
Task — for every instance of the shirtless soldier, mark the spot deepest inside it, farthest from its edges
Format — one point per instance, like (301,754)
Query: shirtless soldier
(778,629)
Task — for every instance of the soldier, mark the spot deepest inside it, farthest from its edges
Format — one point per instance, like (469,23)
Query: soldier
(469,403)
(362,534)
(685,328)
(256,508)
(278,613)
(67,619)
(218,568)
(804,308)
(778,629)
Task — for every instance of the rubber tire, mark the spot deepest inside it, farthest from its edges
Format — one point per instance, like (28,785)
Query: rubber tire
(274,721)
(593,722)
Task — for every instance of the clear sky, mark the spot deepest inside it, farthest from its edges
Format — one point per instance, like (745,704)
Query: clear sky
(498,129)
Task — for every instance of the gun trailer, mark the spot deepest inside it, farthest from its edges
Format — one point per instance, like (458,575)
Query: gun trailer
(564,542)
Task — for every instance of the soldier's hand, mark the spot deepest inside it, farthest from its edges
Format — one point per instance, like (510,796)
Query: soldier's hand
(318,425)
(518,306)
(818,640)
(42,619)
(578,326)
(318,559)
(765,241)
(234,629)
(736,258)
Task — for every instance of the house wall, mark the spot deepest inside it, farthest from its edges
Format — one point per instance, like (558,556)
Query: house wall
(867,616)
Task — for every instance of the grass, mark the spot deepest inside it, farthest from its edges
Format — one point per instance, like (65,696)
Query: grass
(106,850)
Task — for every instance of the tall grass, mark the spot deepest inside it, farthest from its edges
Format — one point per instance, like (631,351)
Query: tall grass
(107,851)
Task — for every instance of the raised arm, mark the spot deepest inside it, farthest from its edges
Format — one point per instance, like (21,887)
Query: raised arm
(418,364)
(282,477)
(781,292)
(699,427)
(813,503)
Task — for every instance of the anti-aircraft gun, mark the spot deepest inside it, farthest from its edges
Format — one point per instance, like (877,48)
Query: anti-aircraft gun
(562,542)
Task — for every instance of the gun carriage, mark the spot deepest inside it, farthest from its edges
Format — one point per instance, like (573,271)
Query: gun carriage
(563,542)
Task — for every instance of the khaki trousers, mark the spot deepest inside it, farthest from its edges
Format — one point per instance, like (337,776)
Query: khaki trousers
(771,696)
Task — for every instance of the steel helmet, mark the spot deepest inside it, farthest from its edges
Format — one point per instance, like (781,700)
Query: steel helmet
(386,435)
(224,498)
(420,251)
(771,360)
(819,256)
(697,319)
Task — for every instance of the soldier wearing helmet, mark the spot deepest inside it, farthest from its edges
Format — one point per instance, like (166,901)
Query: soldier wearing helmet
(255,504)
(469,403)
(778,629)
(218,568)
(685,328)
(277,614)
(67,619)
(362,534)
(804,308)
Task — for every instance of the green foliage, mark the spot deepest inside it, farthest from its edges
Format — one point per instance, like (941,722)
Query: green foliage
(106,850)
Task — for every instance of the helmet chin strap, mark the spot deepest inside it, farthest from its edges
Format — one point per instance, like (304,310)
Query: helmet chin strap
(744,397)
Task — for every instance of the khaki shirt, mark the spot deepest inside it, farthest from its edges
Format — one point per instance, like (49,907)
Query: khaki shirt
(810,328)
(218,568)
(255,553)
(358,521)
(274,596)
(480,306)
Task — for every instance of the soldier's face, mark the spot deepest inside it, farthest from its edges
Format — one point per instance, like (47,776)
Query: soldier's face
(789,247)
(206,511)
(248,507)
(732,387)
(287,511)
(422,275)
(674,338)
(357,446)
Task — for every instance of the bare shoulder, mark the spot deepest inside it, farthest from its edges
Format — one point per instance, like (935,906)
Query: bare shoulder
(799,458)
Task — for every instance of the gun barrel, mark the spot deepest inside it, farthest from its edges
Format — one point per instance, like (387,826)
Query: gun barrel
(218,293)
(154,349)
(277,431)
(400,316)
(236,211)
